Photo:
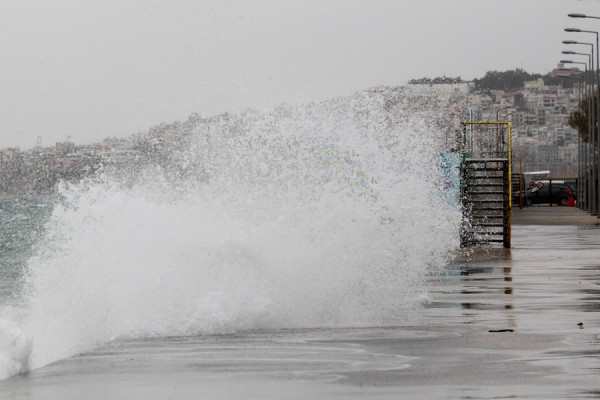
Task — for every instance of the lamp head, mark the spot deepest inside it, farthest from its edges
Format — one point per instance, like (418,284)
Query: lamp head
(572,30)
(570,42)
(577,15)
(568,52)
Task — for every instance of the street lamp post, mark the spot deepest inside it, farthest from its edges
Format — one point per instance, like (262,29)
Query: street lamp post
(595,138)
(580,150)
(589,196)
(592,194)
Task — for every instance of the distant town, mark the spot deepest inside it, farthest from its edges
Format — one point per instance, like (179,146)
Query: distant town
(538,113)
(538,110)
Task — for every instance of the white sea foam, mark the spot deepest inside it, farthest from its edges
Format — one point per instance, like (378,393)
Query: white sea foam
(321,215)
(15,347)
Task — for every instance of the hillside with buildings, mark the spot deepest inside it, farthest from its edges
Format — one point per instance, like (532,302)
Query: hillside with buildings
(538,113)
(538,110)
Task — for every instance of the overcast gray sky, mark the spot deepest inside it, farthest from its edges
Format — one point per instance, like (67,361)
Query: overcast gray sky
(92,69)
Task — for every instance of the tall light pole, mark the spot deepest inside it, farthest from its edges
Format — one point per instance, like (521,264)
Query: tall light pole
(580,150)
(588,191)
(595,136)
(498,136)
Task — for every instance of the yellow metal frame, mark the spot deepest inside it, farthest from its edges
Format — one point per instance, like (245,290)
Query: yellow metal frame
(509,167)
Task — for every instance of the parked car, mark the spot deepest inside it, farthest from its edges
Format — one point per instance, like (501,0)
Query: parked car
(560,195)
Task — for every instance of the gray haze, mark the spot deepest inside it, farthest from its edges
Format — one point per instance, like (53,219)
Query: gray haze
(92,69)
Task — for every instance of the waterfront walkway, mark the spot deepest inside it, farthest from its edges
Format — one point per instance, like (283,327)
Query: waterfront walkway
(513,323)
(546,215)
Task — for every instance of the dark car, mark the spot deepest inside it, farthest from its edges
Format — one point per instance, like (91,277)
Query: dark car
(560,195)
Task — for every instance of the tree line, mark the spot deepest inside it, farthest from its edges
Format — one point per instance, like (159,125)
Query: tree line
(511,80)
(436,81)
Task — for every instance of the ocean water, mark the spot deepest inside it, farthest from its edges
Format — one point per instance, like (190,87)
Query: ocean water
(324,215)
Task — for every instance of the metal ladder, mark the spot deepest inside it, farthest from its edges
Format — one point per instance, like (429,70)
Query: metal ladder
(485,198)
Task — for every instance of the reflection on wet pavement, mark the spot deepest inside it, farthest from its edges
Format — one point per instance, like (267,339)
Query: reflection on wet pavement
(548,284)
(518,323)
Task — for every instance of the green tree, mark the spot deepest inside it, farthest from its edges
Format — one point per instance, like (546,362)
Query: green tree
(579,118)
(435,81)
(508,80)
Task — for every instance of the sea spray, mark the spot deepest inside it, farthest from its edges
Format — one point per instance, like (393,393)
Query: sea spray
(320,215)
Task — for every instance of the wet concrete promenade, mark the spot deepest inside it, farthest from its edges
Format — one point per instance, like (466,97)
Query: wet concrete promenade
(507,323)
(546,215)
